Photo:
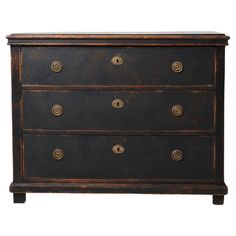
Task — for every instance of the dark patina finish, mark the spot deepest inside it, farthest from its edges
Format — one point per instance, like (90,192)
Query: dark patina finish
(118,113)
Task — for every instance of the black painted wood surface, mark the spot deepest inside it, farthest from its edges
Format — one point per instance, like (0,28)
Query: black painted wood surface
(141,66)
(92,110)
(92,157)
(89,126)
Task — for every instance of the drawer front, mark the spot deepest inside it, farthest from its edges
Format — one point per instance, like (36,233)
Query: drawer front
(117,65)
(103,110)
(141,157)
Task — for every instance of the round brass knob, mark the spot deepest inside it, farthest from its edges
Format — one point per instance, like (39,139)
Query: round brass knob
(117,103)
(56,66)
(177,66)
(57,110)
(177,110)
(118,149)
(117,60)
(58,154)
(177,155)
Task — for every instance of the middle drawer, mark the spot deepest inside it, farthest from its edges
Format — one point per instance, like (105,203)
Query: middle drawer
(129,110)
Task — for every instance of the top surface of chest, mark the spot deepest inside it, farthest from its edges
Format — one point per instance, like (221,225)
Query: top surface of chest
(116,38)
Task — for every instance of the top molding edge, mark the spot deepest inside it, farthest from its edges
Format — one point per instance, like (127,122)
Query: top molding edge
(205,38)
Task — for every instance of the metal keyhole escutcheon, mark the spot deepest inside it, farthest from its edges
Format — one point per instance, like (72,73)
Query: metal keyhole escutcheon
(117,60)
(118,149)
(117,103)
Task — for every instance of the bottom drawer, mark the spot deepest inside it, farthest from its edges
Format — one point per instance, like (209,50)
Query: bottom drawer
(84,156)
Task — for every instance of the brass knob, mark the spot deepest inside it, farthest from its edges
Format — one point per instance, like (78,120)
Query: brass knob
(57,110)
(177,110)
(117,103)
(58,154)
(177,155)
(56,66)
(177,66)
(117,60)
(118,149)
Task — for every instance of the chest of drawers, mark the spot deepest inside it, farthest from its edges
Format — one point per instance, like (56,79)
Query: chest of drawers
(118,113)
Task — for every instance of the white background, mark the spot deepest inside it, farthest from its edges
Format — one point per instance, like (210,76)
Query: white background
(110,214)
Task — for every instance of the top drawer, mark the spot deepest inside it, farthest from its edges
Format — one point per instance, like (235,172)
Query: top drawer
(117,65)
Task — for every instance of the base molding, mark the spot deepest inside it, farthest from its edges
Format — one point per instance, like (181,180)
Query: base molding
(155,188)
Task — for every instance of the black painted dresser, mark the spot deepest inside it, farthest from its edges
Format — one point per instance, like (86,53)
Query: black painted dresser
(118,113)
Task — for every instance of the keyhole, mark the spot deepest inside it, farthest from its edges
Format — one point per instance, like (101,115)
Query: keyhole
(118,149)
(117,103)
(117,60)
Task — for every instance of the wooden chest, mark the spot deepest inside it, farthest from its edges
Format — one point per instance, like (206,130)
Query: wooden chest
(118,113)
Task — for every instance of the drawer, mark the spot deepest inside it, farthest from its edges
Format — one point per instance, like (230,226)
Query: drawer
(72,156)
(132,65)
(130,110)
